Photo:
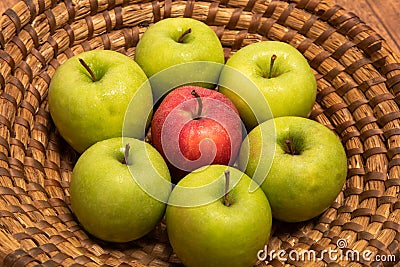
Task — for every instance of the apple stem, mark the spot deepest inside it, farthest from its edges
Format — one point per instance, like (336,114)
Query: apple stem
(200,109)
(227,181)
(180,39)
(126,155)
(271,65)
(289,146)
(88,69)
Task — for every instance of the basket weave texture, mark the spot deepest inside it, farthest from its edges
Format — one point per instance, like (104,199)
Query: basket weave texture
(358,97)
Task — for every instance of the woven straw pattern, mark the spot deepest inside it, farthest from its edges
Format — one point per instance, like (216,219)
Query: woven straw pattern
(359,93)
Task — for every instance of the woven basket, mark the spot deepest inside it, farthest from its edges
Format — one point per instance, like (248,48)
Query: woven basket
(358,96)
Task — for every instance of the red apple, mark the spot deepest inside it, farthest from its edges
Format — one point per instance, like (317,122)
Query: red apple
(194,127)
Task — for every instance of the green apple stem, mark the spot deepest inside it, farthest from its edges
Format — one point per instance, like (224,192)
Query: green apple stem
(88,69)
(126,155)
(289,147)
(200,109)
(180,39)
(271,65)
(227,181)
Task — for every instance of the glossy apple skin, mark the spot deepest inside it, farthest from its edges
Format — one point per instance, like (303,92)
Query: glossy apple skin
(159,49)
(86,112)
(188,142)
(301,186)
(105,194)
(290,92)
(214,234)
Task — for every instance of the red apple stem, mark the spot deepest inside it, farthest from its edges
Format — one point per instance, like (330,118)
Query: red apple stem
(271,65)
(289,146)
(88,69)
(227,181)
(126,154)
(200,108)
(180,39)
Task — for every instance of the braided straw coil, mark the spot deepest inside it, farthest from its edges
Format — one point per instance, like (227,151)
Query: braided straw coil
(358,97)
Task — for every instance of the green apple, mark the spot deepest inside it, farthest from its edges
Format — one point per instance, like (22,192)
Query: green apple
(89,95)
(106,196)
(220,222)
(281,74)
(177,41)
(300,164)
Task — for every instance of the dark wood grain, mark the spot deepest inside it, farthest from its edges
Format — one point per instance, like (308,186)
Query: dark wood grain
(381,15)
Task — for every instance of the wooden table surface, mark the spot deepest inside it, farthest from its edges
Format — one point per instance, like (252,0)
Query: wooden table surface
(381,15)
